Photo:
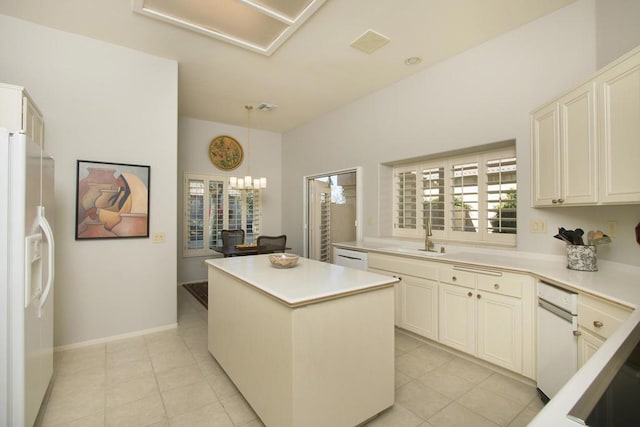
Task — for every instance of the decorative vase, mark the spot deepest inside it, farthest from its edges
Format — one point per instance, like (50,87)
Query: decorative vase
(90,196)
(96,176)
(95,229)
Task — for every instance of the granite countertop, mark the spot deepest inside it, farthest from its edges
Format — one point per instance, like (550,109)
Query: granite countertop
(308,282)
(613,281)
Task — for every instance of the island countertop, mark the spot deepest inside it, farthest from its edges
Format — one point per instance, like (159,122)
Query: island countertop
(308,282)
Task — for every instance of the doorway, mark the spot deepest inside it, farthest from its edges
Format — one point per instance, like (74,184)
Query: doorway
(333,204)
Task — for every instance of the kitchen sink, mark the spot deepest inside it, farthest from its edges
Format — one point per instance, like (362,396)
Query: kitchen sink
(413,251)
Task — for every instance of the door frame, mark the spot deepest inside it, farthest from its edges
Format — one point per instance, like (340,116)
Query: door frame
(305,211)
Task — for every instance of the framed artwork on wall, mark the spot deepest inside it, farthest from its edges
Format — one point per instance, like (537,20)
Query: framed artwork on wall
(112,200)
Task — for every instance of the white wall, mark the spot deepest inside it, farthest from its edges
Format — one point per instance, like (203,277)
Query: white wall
(265,156)
(480,96)
(105,103)
(617,28)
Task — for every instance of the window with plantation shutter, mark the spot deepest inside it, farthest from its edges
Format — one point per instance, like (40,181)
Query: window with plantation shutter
(471,197)
(433,197)
(210,207)
(501,190)
(406,197)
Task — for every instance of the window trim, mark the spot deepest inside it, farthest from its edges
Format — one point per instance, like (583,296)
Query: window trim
(482,236)
(205,251)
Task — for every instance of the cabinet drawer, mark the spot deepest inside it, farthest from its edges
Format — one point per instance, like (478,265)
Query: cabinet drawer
(505,284)
(401,265)
(449,274)
(599,316)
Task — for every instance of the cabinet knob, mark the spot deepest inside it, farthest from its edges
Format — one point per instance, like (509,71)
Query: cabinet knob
(598,324)
(576,333)
(454,278)
(479,296)
(554,201)
(470,294)
(496,286)
(560,200)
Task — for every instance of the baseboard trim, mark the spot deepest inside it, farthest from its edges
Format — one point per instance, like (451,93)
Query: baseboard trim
(115,338)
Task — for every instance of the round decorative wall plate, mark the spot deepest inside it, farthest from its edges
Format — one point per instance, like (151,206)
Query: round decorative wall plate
(225,152)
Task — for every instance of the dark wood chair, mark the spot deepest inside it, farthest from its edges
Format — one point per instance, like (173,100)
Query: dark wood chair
(270,244)
(230,238)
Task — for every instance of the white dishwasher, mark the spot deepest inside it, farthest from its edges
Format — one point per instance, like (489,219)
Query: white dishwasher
(350,258)
(557,348)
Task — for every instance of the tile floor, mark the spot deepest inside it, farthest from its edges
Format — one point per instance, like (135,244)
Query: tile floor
(170,379)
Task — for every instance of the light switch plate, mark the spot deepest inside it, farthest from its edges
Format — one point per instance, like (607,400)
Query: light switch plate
(538,226)
(158,237)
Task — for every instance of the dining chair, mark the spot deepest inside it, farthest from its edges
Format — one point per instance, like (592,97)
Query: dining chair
(270,244)
(230,238)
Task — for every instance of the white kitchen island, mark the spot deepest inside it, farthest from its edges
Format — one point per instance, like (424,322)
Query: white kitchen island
(308,346)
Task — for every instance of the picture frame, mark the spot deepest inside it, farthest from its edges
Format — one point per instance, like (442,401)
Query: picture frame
(112,200)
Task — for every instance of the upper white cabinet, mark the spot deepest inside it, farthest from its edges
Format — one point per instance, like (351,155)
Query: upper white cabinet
(585,144)
(18,112)
(619,107)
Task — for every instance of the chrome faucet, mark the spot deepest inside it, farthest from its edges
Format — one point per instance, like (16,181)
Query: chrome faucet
(429,246)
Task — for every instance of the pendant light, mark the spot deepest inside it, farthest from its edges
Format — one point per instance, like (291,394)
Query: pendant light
(247,182)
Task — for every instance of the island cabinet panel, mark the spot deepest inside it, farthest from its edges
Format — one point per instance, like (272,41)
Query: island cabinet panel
(328,362)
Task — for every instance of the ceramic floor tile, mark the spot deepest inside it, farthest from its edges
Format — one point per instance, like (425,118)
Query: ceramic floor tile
(127,354)
(396,416)
(434,354)
(179,377)
(173,359)
(238,410)
(83,382)
(75,361)
(456,415)
(406,343)
(143,412)
(72,406)
(412,366)
(498,409)
(184,399)
(450,385)
(524,418)
(401,379)
(125,344)
(167,344)
(209,366)
(125,370)
(536,404)
(212,415)
(508,387)
(96,420)
(468,370)
(135,388)
(222,386)
(254,423)
(420,399)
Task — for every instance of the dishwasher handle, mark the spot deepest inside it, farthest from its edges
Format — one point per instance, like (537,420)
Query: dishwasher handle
(563,314)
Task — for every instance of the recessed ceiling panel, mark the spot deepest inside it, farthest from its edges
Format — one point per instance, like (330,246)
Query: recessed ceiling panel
(260,26)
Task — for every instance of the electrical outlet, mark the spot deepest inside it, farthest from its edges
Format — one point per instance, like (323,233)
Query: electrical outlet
(612,228)
(158,237)
(538,226)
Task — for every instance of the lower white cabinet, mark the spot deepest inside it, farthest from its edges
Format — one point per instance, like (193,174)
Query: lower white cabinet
(457,317)
(588,344)
(500,330)
(419,306)
(597,320)
(489,314)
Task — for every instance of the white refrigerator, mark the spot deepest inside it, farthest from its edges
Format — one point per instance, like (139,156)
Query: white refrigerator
(26,278)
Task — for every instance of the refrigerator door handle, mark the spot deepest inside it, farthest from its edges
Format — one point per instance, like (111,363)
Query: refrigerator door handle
(44,224)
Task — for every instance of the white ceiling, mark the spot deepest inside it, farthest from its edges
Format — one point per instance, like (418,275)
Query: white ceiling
(314,71)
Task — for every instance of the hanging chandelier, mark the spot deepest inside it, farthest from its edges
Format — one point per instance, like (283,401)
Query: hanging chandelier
(247,182)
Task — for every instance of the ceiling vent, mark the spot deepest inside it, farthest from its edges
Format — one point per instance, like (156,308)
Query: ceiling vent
(264,106)
(370,41)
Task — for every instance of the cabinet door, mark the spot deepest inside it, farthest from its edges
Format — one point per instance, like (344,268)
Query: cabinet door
(456,317)
(588,344)
(500,330)
(420,306)
(620,131)
(545,156)
(578,147)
